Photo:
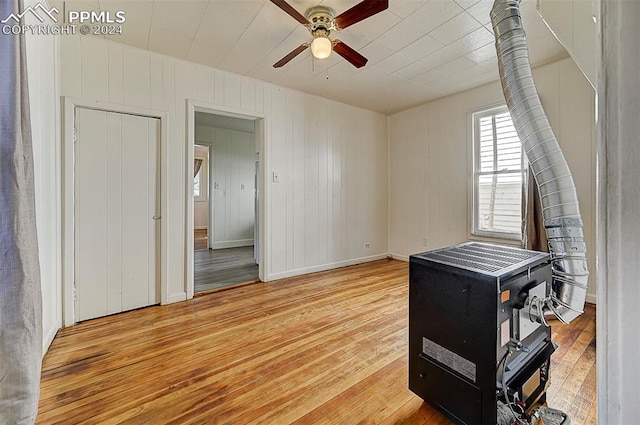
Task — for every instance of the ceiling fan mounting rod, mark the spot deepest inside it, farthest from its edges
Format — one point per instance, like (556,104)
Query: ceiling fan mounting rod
(320,32)
(321,18)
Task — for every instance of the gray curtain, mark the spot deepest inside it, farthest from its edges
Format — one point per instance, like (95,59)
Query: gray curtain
(20,293)
(535,236)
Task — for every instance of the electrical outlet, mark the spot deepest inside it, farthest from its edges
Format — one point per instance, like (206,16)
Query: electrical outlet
(242,187)
(367,245)
(276,177)
(425,242)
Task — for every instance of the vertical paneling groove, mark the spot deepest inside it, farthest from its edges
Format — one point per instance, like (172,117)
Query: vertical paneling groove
(259,97)
(330,183)
(248,94)
(95,69)
(337,196)
(71,66)
(278,192)
(341,235)
(321,223)
(203,81)
(156,78)
(299,183)
(116,84)
(290,179)
(136,78)
(219,87)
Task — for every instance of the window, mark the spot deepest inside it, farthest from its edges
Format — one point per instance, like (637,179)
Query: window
(498,175)
(196,184)
(200,187)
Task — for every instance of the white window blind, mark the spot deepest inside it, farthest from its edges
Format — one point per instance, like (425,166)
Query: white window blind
(498,175)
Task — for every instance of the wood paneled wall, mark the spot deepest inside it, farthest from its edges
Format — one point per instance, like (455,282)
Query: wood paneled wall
(429,154)
(42,75)
(233,190)
(331,158)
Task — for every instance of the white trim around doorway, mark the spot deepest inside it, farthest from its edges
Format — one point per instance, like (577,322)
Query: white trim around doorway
(70,104)
(261,134)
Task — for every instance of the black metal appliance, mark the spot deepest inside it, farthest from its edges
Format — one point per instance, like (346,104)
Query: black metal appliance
(474,340)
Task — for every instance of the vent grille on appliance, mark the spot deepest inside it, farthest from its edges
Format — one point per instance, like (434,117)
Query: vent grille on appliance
(480,258)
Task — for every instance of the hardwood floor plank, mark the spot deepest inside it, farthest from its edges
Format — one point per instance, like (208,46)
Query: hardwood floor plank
(413,412)
(219,268)
(324,348)
(579,352)
(588,391)
(200,239)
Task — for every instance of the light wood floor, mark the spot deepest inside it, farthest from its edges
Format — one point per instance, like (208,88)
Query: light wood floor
(220,268)
(324,348)
(200,239)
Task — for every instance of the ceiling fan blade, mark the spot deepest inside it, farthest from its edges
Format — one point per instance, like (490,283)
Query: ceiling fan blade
(349,54)
(360,11)
(282,62)
(291,11)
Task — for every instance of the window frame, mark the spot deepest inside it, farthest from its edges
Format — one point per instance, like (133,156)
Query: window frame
(475,232)
(204,180)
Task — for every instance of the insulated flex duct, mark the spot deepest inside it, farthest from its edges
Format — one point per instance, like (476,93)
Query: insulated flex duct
(558,196)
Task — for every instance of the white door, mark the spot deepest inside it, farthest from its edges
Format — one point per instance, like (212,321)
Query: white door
(117,206)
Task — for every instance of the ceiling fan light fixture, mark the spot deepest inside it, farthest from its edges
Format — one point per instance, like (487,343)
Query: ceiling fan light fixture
(321,20)
(321,47)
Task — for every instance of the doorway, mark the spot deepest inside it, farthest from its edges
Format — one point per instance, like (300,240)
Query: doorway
(224,202)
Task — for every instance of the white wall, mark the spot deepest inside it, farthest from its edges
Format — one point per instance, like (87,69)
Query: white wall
(618,220)
(430,170)
(45,127)
(201,203)
(572,23)
(331,157)
(233,171)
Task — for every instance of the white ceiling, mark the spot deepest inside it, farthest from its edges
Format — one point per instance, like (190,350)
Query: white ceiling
(418,50)
(224,122)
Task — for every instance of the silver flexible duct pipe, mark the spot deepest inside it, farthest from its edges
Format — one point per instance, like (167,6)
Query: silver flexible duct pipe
(552,175)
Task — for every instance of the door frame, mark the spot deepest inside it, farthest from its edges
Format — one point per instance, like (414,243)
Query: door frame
(261,124)
(70,104)
(209,146)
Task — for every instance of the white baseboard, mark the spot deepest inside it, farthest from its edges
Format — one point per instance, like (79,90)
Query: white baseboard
(177,297)
(233,244)
(324,267)
(591,299)
(200,227)
(399,257)
(47,339)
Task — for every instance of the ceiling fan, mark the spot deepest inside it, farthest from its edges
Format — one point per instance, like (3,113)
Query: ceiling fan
(321,20)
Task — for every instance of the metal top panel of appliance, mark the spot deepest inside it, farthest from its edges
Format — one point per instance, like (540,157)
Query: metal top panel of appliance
(486,259)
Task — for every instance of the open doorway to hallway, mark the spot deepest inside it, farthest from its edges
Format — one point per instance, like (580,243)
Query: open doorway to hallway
(225,202)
